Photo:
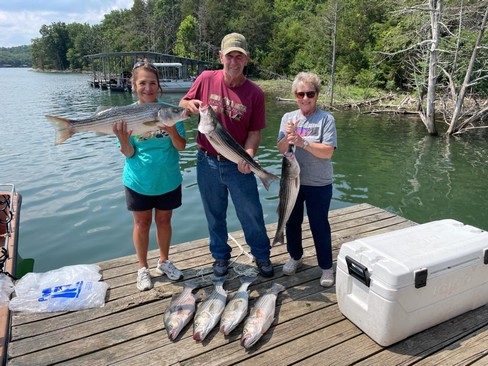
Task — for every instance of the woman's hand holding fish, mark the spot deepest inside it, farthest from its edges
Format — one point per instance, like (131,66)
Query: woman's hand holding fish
(291,127)
(292,137)
(120,130)
(178,142)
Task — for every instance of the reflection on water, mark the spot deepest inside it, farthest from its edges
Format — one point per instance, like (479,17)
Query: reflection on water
(73,207)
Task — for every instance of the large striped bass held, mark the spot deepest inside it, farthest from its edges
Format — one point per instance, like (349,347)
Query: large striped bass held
(227,146)
(236,309)
(180,310)
(140,118)
(261,317)
(289,187)
(208,314)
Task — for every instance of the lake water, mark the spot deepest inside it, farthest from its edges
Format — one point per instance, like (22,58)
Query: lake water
(73,209)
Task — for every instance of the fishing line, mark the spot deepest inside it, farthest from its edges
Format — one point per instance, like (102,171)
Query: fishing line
(242,269)
(239,269)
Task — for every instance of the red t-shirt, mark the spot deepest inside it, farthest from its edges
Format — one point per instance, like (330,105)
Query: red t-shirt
(240,109)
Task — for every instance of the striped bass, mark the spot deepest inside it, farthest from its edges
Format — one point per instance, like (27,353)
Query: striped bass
(236,309)
(180,310)
(140,118)
(289,187)
(227,146)
(261,317)
(208,314)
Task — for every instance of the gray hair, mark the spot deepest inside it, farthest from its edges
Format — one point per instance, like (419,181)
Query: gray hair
(306,77)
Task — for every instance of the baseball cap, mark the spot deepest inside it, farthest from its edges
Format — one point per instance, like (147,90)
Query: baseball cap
(234,42)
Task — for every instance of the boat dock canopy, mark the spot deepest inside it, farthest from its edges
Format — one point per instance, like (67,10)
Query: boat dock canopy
(167,64)
(114,67)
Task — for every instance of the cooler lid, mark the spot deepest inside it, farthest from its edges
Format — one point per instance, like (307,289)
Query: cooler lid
(428,249)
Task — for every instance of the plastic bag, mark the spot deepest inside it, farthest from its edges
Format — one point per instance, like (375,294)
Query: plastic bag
(68,288)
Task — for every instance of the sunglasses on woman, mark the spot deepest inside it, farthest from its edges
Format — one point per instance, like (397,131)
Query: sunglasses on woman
(309,94)
(142,63)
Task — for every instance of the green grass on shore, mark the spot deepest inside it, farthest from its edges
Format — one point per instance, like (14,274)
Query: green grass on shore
(344,95)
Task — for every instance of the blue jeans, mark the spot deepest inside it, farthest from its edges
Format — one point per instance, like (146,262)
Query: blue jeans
(317,200)
(216,179)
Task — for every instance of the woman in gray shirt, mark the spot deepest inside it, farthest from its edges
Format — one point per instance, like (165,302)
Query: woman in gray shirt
(312,132)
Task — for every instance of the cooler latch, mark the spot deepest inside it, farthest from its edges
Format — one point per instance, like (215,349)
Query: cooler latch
(485,256)
(358,271)
(420,277)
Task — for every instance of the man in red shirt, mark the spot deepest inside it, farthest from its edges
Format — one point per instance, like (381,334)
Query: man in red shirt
(239,104)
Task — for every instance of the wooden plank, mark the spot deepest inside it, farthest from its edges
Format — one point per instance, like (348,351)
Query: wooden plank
(470,350)
(431,341)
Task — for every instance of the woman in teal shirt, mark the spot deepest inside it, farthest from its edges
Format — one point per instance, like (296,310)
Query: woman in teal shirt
(152,178)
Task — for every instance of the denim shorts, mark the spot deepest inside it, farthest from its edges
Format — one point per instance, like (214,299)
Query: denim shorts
(165,202)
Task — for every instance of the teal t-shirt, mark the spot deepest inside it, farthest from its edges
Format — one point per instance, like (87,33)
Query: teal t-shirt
(155,167)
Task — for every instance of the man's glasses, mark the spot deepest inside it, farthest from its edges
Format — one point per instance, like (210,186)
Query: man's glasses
(309,94)
(142,63)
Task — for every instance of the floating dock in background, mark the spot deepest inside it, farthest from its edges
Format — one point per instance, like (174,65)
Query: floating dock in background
(309,329)
(112,71)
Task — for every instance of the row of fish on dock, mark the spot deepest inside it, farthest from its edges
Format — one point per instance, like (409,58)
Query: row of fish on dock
(215,309)
(146,117)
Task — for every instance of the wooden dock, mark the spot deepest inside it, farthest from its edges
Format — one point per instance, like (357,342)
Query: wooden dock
(309,328)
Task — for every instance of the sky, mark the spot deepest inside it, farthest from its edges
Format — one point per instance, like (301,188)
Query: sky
(20,20)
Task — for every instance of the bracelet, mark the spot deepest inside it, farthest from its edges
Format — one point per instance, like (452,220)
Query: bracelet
(305,144)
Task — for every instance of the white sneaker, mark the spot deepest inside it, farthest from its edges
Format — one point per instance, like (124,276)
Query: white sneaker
(291,266)
(169,269)
(144,282)
(327,278)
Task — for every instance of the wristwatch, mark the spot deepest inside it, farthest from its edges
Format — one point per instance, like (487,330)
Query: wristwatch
(305,144)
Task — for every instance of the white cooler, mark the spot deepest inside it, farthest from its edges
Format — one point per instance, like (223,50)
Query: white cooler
(399,283)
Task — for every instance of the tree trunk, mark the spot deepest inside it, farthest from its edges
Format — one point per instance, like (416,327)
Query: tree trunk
(334,40)
(435,7)
(453,126)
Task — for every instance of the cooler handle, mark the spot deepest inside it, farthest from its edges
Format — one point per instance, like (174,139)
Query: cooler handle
(358,271)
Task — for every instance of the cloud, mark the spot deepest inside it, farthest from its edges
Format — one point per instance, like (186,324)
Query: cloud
(20,21)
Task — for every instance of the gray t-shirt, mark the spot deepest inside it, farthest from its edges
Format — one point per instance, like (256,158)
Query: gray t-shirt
(318,127)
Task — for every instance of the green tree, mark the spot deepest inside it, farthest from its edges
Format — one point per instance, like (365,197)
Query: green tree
(355,38)
(88,41)
(284,45)
(187,38)
(117,32)
(16,56)
(56,42)
(253,19)
(39,54)
(167,21)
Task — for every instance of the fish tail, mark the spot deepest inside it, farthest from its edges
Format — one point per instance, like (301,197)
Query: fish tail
(63,128)
(267,178)
(219,281)
(280,238)
(277,288)
(247,279)
(191,284)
